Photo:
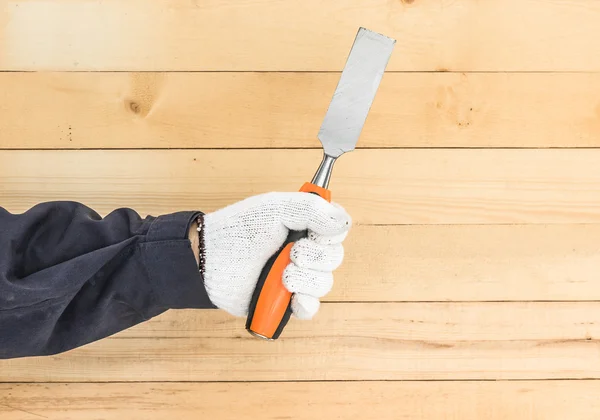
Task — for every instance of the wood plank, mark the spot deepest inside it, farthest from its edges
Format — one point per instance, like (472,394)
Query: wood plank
(455,186)
(470,263)
(505,400)
(264,110)
(427,322)
(348,342)
(500,35)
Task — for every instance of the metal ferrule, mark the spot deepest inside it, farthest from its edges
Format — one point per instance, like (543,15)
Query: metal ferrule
(323,175)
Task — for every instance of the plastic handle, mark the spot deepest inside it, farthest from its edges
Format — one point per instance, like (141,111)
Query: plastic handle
(270,308)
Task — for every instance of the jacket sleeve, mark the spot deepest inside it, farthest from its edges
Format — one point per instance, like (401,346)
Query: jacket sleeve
(69,277)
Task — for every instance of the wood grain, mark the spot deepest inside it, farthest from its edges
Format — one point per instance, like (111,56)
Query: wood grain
(523,400)
(377,186)
(307,35)
(266,110)
(373,341)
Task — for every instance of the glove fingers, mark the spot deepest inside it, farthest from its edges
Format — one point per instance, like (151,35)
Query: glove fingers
(308,211)
(306,281)
(314,256)
(327,240)
(304,306)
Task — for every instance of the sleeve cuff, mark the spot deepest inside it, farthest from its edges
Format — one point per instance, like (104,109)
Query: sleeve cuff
(172,268)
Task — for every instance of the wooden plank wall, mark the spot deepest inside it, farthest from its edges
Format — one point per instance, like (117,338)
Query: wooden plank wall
(471,286)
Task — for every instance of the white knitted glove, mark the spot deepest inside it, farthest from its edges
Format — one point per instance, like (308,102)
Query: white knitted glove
(239,239)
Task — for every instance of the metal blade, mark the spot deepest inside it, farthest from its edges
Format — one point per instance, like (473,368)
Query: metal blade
(355,92)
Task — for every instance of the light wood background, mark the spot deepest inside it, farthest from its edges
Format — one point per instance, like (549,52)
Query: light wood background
(471,288)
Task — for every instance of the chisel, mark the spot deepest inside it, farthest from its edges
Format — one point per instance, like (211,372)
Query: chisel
(270,308)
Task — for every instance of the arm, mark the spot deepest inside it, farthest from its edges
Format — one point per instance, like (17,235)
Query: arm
(69,277)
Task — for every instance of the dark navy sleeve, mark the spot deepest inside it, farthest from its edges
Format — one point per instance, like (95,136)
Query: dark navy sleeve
(69,277)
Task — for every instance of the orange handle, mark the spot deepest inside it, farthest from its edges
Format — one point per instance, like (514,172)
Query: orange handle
(320,191)
(270,309)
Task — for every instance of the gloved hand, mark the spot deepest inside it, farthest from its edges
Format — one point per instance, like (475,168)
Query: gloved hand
(239,239)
